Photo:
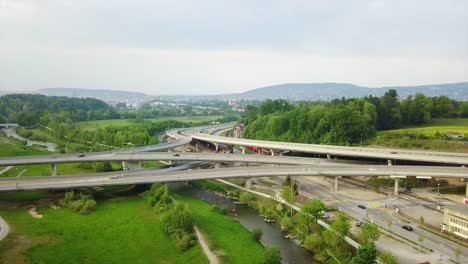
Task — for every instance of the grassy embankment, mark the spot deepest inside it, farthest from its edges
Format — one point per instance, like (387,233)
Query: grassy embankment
(427,136)
(124,230)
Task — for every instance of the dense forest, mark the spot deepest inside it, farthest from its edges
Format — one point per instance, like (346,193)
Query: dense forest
(345,121)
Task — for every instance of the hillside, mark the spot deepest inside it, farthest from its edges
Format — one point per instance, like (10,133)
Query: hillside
(330,91)
(102,94)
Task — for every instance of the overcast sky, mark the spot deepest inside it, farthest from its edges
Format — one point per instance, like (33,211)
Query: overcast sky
(218,46)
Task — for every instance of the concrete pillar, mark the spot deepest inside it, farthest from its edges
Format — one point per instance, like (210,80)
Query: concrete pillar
(466,192)
(281,153)
(243,150)
(336,183)
(216,147)
(328,156)
(397,187)
(140,164)
(248,183)
(272,152)
(217,165)
(124,165)
(389,162)
(54,169)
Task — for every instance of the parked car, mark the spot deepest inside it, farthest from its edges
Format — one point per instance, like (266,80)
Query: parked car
(361,206)
(408,227)
(359,223)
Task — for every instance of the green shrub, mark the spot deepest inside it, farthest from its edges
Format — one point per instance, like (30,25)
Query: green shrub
(257,234)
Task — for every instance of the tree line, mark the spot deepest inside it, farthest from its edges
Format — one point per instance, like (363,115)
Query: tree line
(344,121)
(28,109)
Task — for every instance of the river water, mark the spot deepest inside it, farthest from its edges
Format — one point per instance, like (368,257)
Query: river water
(11,132)
(291,252)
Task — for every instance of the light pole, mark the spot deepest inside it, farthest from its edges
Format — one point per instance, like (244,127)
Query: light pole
(438,195)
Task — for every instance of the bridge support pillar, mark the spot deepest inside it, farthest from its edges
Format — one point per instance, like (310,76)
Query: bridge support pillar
(248,183)
(329,156)
(243,150)
(217,166)
(124,165)
(336,183)
(140,164)
(272,152)
(466,192)
(53,169)
(389,162)
(397,187)
(216,147)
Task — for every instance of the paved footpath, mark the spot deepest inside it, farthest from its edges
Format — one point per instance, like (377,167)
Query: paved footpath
(211,257)
(4,228)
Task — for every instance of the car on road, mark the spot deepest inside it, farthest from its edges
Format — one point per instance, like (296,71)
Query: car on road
(408,228)
(393,152)
(176,155)
(81,155)
(361,206)
(359,223)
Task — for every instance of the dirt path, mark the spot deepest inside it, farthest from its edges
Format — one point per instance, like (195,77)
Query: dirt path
(211,257)
(4,228)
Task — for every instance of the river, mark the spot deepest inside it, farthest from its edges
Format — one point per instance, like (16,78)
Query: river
(11,132)
(291,252)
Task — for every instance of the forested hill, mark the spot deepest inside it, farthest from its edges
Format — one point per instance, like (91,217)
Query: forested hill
(14,105)
(344,121)
(330,91)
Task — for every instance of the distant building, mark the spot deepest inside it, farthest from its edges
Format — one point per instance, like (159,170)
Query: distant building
(456,220)
(455,134)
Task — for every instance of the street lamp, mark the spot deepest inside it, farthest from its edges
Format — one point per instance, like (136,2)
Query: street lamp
(438,195)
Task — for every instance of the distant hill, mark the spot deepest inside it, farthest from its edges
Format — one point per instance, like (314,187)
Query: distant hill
(105,95)
(330,91)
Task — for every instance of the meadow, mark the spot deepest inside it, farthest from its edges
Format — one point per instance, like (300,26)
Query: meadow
(428,136)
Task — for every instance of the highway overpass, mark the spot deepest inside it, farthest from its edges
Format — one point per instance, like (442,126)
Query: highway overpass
(166,156)
(122,178)
(455,158)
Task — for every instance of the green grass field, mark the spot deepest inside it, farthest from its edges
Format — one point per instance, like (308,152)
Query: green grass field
(124,230)
(441,125)
(10,148)
(119,231)
(427,136)
(224,233)
(93,125)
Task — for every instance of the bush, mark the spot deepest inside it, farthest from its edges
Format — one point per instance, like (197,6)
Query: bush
(272,256)
(246,197)
(257,234)
(78,202)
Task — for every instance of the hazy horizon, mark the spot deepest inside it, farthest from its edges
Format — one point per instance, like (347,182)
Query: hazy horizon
(218,47)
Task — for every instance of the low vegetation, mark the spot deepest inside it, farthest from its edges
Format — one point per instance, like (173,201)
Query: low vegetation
(79,202)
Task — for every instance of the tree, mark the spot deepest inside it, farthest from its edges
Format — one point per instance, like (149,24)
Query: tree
(369,233)
(257,234)
(341,225)
(286,223)
(420,240)
(313,242)
(311,212)
(272,256)
(387,257)
(421,220)
(457,252)
(366,254)
(389,224)
(287,194)
(246,197)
